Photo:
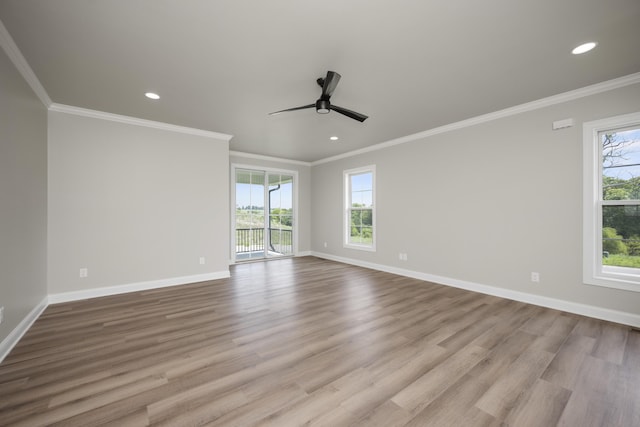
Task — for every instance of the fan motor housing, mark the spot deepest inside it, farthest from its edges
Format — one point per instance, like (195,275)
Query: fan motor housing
(323,106)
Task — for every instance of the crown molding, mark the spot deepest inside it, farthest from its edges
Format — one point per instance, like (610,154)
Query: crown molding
(19,61)
(511,111)
(268,158)
(61,108)
(13,52)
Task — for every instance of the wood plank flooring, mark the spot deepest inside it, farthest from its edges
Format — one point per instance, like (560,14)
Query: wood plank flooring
(307,341)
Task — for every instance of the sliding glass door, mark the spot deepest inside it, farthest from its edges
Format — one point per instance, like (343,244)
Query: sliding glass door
(249,215)
(280,215)
(264,214)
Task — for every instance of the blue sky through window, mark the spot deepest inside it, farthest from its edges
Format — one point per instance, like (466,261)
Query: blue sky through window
(253,195)
(628,164)
(362,189)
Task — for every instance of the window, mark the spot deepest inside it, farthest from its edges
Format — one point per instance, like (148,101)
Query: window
(612,202)
(360,212)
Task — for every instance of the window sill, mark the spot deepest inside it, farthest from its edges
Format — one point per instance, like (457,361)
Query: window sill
(367,248)
(627,279)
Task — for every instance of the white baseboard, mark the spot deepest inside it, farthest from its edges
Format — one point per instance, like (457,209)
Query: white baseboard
(18,332)
(135,287)
(304,253)
(622,317)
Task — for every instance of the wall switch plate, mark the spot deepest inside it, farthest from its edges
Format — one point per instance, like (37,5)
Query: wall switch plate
(201,260)
(84,272)
(1,314)
(535,276)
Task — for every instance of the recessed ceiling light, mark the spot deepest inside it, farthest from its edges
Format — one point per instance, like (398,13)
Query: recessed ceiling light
(152,95)
(583,48)
(334,138)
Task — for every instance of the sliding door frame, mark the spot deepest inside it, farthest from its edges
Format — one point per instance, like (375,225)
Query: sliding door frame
(232,193)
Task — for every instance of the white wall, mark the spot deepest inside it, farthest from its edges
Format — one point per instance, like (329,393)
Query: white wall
(23,200)
(133,204)
(304,190)
(486,204)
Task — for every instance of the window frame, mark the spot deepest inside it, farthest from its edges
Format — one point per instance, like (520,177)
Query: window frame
(347,174)
(594,273)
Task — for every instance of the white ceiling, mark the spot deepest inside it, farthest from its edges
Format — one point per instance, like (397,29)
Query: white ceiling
(411,65)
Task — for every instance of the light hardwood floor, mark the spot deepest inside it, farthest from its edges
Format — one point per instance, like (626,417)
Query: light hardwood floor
(307,341)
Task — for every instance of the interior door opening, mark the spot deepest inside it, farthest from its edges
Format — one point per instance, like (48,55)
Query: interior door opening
(264,214)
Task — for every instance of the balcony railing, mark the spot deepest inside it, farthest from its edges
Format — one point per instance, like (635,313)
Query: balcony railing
(249,240)
(252,240)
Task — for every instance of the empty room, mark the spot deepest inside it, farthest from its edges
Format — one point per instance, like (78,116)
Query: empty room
(337,213)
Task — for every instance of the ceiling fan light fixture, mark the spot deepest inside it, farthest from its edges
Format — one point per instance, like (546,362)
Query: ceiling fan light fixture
(322,106)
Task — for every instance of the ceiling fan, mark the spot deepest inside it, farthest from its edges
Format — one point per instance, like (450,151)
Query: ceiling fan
(323,104)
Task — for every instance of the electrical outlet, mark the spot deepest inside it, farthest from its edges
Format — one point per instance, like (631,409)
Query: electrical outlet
(201,260)
(325,244)
(535,277)
(84,272)
(1,314)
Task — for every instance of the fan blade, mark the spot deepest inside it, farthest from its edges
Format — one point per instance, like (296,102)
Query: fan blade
(293,109)
(352,114)
(330,83)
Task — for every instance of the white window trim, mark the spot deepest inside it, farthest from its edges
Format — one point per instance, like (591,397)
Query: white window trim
(346,223)
(592,268)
